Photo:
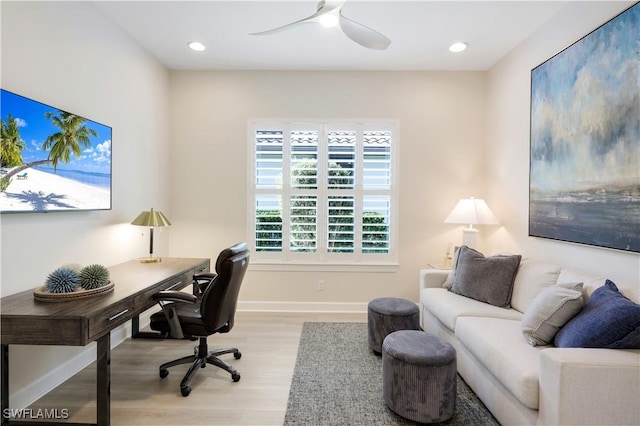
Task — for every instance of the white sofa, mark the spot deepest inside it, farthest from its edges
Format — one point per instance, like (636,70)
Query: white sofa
(527,385)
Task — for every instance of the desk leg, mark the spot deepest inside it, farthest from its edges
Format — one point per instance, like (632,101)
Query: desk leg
(5,383)
(135,326)
(137,334)
(103,381)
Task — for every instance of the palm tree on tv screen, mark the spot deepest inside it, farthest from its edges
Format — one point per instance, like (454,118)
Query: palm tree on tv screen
(11,144)
(72,137)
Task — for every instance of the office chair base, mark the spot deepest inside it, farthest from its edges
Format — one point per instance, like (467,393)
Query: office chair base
(200,359)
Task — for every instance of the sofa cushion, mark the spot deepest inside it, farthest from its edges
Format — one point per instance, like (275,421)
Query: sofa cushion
(608,320)
(487,279)
(549,311)
(448,306)
(533,276)
(589,280)
(498,345)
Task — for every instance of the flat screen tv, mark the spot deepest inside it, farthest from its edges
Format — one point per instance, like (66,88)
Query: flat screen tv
(51,160)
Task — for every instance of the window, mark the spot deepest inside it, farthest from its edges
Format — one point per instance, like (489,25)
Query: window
(323,192)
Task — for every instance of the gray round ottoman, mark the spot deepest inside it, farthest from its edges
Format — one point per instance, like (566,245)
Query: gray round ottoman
(388,314)
(419,376)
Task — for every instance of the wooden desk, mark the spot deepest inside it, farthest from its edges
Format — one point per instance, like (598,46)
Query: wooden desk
(25,321)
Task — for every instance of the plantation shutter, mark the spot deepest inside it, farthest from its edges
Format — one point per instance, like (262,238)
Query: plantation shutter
(268,160)
(376,165)
(323,191)
(268,230)
(303,201)
(269,151)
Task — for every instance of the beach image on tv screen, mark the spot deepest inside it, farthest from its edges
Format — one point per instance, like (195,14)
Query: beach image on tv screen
(51,160)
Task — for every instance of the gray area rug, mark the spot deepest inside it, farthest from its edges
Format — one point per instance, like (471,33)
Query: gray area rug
(338,381)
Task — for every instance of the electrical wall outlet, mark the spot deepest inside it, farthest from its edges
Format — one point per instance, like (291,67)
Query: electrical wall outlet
(320,285)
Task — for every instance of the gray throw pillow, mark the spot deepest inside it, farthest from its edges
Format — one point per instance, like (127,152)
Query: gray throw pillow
(448,282)
(552,308)
(487,279)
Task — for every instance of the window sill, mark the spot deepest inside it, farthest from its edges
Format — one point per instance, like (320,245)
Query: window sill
(322,267)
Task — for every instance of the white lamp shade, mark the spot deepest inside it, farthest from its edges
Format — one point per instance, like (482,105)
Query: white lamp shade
(471,211)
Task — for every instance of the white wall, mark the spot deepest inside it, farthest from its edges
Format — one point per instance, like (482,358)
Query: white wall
(441,117)
(507,153)
(67,55)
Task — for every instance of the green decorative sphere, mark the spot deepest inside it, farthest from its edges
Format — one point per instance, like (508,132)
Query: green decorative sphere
(62,280)
(94,276)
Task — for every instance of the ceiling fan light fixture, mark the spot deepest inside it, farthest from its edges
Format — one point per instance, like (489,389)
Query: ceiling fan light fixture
(332,10)
(458,47)
(196,45)
(328,20)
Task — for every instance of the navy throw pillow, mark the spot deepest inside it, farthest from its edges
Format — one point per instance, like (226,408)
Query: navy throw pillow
(608,320)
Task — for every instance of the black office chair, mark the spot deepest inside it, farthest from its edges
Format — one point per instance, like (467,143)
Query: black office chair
(188,316)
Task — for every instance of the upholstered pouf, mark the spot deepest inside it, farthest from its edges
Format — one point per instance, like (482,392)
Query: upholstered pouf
(419,376)
(389,314)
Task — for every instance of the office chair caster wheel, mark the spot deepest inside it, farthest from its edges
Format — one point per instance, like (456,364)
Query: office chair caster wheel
(237,355)
(164,373)
(185,391)
(235,377)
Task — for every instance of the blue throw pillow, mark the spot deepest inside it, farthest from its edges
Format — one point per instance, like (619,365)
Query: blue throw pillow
(608,320)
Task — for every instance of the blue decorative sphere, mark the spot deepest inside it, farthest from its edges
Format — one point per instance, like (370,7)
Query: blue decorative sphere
(62,280)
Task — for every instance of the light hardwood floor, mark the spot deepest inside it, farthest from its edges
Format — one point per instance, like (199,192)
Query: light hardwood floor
(268,343)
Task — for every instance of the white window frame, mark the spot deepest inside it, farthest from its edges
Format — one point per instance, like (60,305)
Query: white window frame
(322,259)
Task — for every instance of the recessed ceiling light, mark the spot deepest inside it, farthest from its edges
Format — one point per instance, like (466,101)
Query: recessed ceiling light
(197,46)
(458,47)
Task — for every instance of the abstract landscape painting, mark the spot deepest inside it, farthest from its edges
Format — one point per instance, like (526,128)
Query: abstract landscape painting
(585,139)
(51,160)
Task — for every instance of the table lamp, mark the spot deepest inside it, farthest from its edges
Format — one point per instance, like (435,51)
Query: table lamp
(471,211)
(151,219)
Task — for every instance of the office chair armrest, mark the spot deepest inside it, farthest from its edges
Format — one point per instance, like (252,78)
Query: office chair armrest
(174,296)
(201,281)
(169,309)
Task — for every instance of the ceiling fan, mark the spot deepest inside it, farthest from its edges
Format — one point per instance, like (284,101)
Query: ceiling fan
(330,12)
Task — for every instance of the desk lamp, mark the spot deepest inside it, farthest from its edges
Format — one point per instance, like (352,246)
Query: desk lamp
(471,211)
(151,219)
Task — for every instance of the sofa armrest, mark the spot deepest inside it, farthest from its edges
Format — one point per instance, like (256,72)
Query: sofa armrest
(432,277)
(589,386)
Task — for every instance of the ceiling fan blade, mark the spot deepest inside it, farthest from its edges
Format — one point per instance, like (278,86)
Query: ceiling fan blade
(323,8)
(284,27)
(329,5)
(363,35)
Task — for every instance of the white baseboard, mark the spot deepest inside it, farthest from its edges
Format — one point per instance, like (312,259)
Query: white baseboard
(29,394)
(341,307)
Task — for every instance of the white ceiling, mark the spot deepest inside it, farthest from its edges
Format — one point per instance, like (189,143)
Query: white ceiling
(421,32)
